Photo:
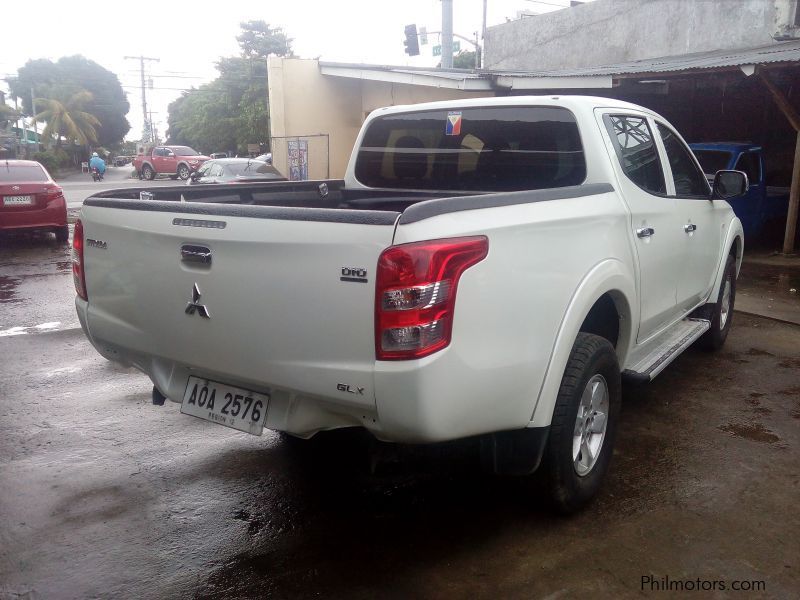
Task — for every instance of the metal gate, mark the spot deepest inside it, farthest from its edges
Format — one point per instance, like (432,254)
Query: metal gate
(301,157)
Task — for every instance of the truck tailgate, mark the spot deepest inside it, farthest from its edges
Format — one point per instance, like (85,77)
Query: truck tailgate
(272,309)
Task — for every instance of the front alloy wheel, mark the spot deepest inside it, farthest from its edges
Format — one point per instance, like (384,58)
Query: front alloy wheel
(183,172)
(590,425)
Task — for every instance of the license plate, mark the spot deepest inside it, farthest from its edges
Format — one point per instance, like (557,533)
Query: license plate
(17,200)
(226,405)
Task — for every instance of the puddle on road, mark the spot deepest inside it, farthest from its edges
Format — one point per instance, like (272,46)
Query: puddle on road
(755,432)
(8,287)
(41,328)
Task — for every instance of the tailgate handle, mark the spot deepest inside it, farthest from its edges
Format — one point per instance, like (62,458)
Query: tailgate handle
(196,254)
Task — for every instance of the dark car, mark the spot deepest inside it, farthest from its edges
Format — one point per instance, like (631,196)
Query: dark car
(235,170)
(30,199)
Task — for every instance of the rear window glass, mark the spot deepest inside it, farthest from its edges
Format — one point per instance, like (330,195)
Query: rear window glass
(252,168)
(22,173)
(712,160)
(482,149)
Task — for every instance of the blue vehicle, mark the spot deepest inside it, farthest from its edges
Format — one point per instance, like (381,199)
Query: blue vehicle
(761,204)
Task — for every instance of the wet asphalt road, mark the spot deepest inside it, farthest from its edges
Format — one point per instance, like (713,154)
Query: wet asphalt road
(103,495)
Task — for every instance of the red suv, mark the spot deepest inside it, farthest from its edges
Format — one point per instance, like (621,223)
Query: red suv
(30,199)
(175,161)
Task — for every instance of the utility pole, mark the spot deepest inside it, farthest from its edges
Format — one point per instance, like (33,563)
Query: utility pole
(447,34)
(146,128)
(35,124)
(483,36)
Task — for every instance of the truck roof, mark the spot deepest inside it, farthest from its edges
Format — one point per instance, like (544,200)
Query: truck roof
(566,101)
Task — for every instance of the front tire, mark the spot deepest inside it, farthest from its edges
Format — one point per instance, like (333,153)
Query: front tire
(148,172)
(184,172)
(584,424)
(722,309)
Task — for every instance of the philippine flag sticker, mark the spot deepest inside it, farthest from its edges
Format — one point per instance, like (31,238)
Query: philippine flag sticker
(453,126)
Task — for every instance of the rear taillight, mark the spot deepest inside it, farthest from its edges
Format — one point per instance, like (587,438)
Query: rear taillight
(415,294)
(51,193)
(78,272)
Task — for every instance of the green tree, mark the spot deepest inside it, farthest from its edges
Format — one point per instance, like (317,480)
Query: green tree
(75,73)
(465,60)
(65,115)
(259,40)
(231,111)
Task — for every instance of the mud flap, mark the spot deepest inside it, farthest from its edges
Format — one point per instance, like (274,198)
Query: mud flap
(516,452)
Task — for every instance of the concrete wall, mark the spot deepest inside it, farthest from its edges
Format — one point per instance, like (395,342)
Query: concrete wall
(303,102)
(611,31)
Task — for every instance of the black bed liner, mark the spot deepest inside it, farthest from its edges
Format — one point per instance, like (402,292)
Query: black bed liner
(326,201)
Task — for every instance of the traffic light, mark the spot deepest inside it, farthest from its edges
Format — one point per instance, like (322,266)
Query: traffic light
(411,43)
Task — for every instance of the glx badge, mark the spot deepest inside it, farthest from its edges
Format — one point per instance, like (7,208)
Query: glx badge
(195,306)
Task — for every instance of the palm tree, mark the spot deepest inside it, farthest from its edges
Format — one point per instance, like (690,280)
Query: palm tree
(65,117)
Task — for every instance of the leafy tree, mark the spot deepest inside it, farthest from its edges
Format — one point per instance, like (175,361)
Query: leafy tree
(259,40)
(66,116)
(75,73)
(465,60)
(231,111)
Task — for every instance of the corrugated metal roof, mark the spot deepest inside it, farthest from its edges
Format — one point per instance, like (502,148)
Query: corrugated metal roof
(779,52)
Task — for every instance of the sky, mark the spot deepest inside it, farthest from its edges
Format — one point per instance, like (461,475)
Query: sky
(189,37)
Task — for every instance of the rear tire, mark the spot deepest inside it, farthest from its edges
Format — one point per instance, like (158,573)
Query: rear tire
(148,173)
(62,234)
(584,424)
(721,310)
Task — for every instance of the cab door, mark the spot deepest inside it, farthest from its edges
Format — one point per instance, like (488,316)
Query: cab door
(699,226)
(655,223)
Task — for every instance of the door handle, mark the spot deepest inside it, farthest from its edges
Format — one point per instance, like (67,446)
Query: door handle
(645,232)
(690,227)
(196,254)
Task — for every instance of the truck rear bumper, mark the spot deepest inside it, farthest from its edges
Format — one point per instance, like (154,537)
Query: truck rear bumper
(435,399)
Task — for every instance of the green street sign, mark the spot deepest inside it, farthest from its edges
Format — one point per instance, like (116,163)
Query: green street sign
(437,50)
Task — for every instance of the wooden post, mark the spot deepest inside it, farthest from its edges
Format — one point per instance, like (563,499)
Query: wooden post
(794,195)
(794,202)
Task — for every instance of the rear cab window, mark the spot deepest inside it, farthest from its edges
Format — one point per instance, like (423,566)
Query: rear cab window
(637,152)
(493,149)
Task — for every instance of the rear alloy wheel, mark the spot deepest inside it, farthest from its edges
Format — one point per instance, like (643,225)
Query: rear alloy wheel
(148,173)
(584,424)
(183,172)
(722,309)
(62,234)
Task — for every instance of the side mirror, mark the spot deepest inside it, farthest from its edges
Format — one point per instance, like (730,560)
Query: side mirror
(728,184)
(195,175)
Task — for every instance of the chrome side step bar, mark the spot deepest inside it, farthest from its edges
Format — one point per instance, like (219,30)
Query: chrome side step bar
(655,357)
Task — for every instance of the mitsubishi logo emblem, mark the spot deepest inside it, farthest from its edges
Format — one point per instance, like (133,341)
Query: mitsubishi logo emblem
(195,306)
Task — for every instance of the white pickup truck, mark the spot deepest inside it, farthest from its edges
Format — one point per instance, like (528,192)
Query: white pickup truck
(489,267)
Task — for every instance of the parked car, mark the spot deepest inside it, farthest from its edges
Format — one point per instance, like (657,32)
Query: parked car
(486,268)
(30,199)
(175,161)
(235,170)
(218,155)
(762,204)
(267,158)
(121,161)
